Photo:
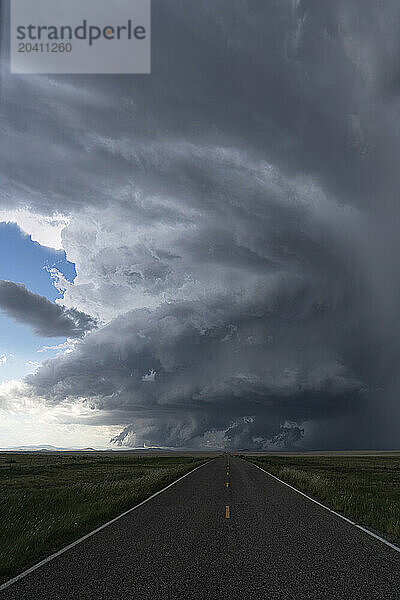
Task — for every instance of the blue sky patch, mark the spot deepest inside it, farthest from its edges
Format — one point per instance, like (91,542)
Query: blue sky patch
(25,261)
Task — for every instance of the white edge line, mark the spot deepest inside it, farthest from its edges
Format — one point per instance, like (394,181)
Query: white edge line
(88,535)
(374,535)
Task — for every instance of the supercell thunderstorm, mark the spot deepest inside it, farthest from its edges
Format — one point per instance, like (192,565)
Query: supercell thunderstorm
(233,221)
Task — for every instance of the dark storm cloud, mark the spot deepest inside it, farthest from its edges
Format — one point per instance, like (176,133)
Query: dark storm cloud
(234,218)
(226,365)
(45,318)
(300,84)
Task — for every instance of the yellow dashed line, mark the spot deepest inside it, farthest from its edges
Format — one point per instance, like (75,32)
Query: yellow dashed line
(227,508)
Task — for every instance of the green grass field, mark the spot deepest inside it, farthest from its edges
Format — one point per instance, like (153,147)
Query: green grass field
(49,500)
(363,488)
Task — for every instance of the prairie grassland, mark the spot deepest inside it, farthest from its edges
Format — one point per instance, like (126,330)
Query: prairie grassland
(49,500)
(363,488)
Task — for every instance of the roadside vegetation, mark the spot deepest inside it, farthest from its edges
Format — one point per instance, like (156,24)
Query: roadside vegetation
(49,500)
(363,488)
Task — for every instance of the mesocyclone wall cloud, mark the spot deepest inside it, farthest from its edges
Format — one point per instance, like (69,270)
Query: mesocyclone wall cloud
(233,218)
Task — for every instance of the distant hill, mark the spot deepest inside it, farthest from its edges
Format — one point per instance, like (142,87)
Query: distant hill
(148,450)
(49,448)
(45,448)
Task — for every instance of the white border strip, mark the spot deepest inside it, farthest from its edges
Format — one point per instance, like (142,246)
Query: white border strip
(88,535)
(374,535)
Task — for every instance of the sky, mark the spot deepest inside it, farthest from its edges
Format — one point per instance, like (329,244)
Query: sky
(213,247)
(22,260)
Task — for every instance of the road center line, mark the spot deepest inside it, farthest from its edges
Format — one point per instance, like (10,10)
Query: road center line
(227,513)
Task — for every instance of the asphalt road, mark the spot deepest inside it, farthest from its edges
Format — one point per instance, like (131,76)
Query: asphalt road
(201,539)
